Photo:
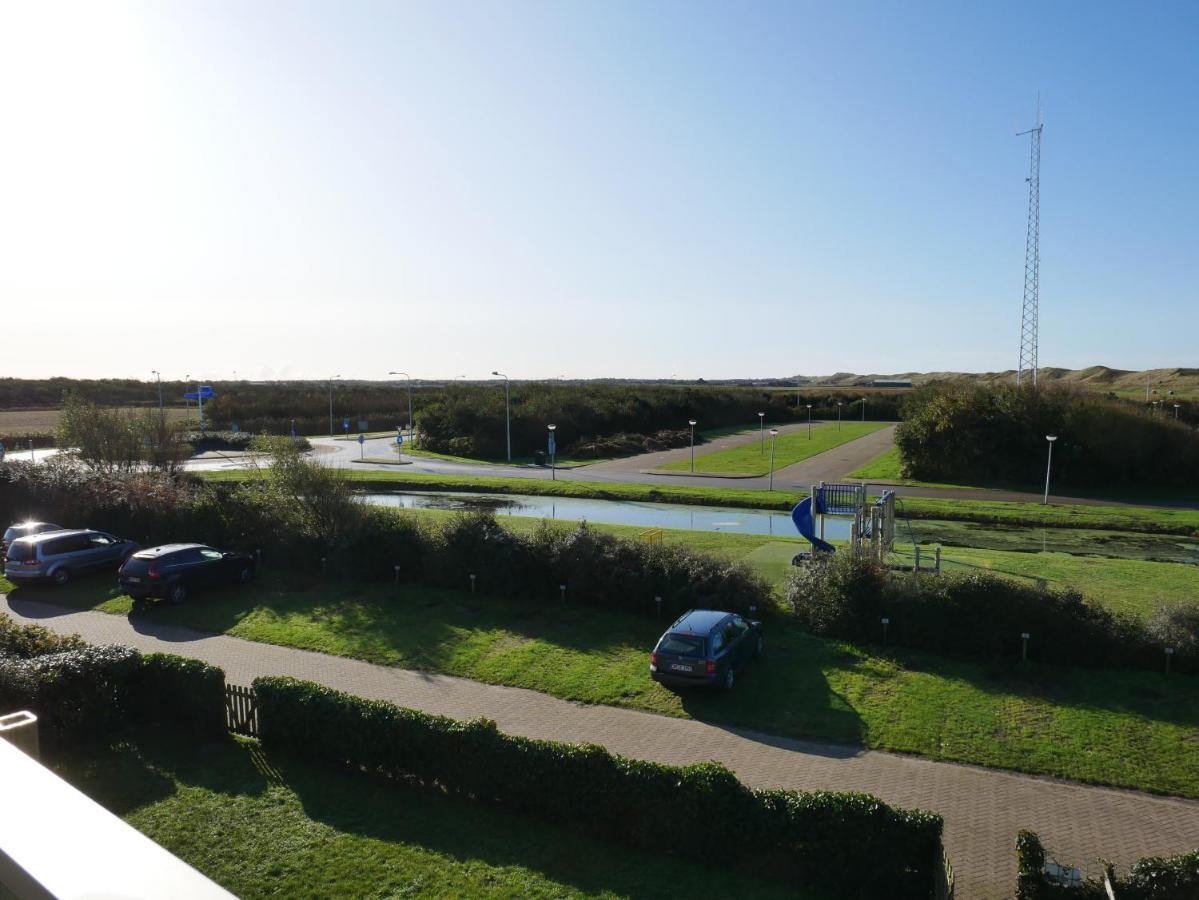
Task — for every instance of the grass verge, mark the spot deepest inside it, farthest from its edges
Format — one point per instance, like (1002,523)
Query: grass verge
(753,457)
(267,827)
(1126,728)
(1146,520)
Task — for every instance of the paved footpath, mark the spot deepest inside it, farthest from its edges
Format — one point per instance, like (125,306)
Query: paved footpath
(983,808)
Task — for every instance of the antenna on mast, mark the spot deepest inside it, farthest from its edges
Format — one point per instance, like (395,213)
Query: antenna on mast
(1026,372)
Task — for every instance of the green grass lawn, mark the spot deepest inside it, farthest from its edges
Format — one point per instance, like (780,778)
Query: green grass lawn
(1146,520)
(1128,728)
(753,457)
(262,826)
(886,467)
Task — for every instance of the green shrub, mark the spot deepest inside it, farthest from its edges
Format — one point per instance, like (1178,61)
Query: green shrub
(699,810)
(25,641)
(846,596)
(78,695)
(974,433)
(80,691)
(1150,878)
(186,694)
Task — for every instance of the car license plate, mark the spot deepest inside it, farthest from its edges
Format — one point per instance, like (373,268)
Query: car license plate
(134,580)
(680,668)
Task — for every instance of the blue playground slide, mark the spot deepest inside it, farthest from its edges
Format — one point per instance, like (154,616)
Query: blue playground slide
(802,517)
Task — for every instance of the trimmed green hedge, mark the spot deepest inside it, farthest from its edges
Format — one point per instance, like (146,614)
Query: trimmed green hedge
(980,614)
(82,692)
(854,843)
(1150,878)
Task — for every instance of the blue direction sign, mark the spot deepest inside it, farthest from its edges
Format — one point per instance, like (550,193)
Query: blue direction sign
(204,393)
(345,423)
(552,444)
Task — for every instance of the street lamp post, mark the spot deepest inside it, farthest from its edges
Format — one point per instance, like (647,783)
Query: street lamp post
(863,409)
(1049,465)
(838,415)
(761,430)
(1175,412)
(187,404)
(774,433)
(507,413)
(331,377)
(809,421)
(162,414)
(410,424)
(691,422)
(553,452)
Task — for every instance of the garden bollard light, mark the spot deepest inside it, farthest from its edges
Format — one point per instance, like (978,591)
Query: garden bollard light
(472,584)
(1169,653)
(1024,636)
(258,558)
(658,600)
(562,588)
(322,565)
(397,574)
(886,622)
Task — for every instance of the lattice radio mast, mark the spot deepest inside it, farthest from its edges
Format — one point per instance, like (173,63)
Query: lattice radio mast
(1027,371)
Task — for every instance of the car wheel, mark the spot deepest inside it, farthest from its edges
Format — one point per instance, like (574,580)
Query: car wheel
(730,678)
(61,576)
(246,575)
(178,593)
(761,648)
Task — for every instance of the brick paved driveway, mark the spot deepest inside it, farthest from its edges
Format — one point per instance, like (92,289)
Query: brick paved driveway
(983,808)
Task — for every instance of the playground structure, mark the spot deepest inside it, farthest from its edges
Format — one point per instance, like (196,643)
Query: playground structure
(873,528)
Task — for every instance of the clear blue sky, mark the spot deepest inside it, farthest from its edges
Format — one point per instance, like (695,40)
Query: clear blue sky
(292,189)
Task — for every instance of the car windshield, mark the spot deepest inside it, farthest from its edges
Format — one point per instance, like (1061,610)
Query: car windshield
(21,551)
(682,645)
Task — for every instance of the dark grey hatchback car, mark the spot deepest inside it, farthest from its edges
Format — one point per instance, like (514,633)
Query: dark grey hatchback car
(705,647)
(174,571)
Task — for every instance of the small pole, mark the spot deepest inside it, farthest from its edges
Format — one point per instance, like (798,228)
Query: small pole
(1024,636)
(322,565)
(258,558)
(916,567)
(397,574)
(562,591)
(1169,654)
(472,584)
(938,551)
(885,622)
(658,600)
(32,458)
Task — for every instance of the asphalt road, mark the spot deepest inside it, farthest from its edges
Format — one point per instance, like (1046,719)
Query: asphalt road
(832,465)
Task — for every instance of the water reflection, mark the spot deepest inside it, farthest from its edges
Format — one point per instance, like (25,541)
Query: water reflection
(613,512)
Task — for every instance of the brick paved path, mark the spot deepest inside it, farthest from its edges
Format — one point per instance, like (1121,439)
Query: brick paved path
(983,808)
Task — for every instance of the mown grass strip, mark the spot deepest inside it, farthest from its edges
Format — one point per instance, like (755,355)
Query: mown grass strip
(1147,520)
(753,457)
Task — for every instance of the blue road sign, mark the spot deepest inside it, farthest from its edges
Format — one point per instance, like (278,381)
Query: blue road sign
(399,439)
(345,423)
(362,438)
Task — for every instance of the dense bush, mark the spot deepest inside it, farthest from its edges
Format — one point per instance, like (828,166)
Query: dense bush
(847,596)
(472,421)
(298,513)
(78,695)
(80,692)
(25,641)
(236,441)
(629,444)
(852,842)
(1150,878)
(15,443)
(971,433)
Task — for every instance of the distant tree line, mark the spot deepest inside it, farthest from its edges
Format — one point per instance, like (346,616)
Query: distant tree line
(979,434)
(468,418)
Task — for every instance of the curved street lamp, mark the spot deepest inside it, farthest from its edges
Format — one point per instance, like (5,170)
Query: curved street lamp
(809,421)
(774,433)
(1049,465)
(553,452)
(331,378)
(410,424)
(691,422)
(761,426)
(507,412)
